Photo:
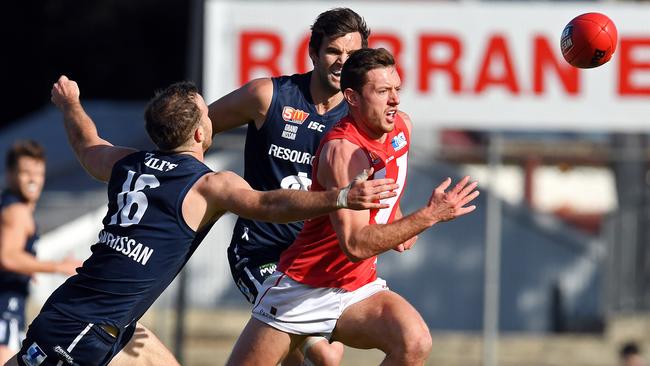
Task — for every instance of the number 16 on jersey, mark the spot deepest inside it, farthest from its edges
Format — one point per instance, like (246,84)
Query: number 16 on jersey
(130,197)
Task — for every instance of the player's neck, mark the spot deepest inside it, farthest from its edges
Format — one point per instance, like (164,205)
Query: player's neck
(195,152)
(324,99)
(379,137)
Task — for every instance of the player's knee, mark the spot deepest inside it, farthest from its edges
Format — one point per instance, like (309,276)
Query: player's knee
(325,354)
(417,344)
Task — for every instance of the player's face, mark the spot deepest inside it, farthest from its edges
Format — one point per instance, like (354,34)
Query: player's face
(205,122)
(331,56)
(379,100)
(28,178)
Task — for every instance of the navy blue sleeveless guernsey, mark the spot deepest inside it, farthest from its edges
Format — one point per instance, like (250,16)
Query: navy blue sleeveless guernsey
(279,155)
(144,244)
(12,281)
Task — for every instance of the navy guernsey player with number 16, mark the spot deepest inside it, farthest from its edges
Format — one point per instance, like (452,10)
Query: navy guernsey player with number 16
(287,117)
(161,205)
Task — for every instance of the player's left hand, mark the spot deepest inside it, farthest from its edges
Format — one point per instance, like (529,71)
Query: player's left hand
(446,205)
(365,194)
(65,92)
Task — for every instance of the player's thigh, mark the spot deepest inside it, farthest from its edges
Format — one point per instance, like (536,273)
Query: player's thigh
(144,348)
(385,320)
(5,354)
(261,344)
(12,361)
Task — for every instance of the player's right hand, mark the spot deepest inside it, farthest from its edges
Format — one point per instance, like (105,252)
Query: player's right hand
(366,194)
(65,92)
(401,247)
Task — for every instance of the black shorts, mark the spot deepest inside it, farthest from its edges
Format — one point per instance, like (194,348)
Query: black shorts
(55,339)
(12,319)
(249,273)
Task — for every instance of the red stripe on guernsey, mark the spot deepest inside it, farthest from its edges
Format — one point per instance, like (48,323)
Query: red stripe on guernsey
(267,290)
(316,258)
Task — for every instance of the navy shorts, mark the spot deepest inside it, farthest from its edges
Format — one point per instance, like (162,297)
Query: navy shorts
(12,319)
(249,273)
(54,339)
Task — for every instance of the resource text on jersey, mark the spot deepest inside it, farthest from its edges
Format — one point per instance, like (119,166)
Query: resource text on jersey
(291,155)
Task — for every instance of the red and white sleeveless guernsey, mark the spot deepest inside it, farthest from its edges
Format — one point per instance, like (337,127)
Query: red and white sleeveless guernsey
(315,257)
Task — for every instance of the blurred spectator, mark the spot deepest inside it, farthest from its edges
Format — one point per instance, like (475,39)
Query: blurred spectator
(25,177)
(631,355)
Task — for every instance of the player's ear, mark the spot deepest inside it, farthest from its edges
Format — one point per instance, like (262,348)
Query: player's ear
(351,96)
(199,134)
(313,55)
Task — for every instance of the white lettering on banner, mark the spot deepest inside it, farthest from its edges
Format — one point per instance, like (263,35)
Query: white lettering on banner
(294,156)
(502,72)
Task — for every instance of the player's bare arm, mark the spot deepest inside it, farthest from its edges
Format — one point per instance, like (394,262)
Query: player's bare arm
(341,159)
(16,225)
(95,154)
(226,191)
(248,103)
(401,247)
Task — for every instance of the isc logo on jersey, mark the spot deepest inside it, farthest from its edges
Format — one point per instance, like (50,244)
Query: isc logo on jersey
(293,115)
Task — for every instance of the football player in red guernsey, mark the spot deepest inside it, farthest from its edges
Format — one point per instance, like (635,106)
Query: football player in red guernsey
(326,283)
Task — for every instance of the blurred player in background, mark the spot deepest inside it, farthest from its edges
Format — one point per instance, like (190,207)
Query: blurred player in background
(25,172)
(630,355)
(287,117)
(161,205)
(326,282)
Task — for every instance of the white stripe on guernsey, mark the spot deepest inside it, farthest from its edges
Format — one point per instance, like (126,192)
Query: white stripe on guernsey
(3,330)
(14,335)
(76,340)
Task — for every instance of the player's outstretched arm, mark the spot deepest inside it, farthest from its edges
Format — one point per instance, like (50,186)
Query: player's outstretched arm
(359,240)
(232,193)
(401,247)
(95,154)
(241,106)
(15,224)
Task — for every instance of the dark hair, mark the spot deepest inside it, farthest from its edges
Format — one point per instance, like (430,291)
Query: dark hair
(356,68)
(172,114)
(20,148)
(629,349)
(336,23)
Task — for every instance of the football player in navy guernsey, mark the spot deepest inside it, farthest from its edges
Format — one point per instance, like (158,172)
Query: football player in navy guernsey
(287,117)
(25,172)
(161,205)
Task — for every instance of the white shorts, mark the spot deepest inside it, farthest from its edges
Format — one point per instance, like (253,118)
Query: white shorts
(295,308)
